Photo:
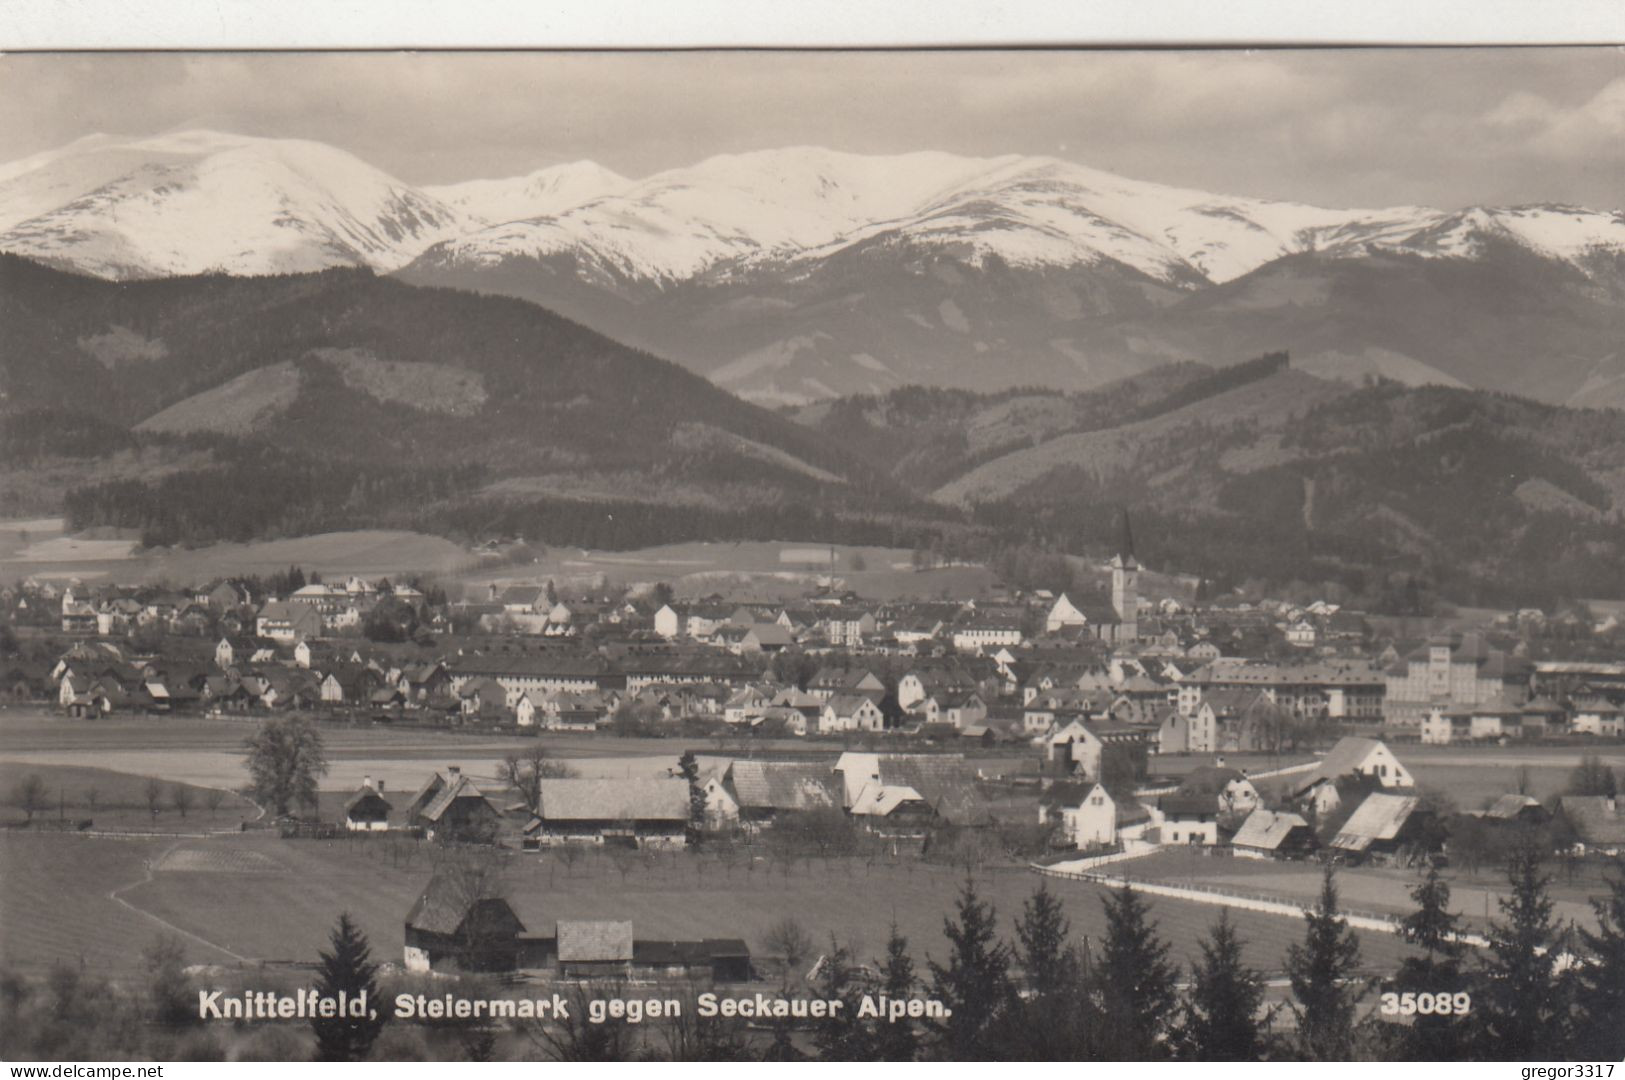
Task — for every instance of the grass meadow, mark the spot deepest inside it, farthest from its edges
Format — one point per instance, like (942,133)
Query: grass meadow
(268,899)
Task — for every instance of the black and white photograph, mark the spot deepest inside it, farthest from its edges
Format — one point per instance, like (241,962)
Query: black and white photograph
(789,555)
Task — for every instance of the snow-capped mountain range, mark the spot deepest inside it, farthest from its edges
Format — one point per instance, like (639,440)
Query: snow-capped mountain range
(205,201)
(755,267)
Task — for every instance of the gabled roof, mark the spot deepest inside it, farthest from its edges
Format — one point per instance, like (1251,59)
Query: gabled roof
(1379,817)
(582,941)
(366,792)
(1209,780)
(1267,829)
(783,785)
(1595,817)
(880,800)
(1188,805)
(1343,758)
(442,906)
(656,799)
(452,786)
(1508,807)
(1065,793)
(847,704)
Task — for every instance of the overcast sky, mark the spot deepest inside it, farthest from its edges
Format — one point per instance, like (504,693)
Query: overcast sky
(1337,128)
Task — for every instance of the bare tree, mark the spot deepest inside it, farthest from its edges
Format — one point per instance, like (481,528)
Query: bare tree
(789,940)
(212,798)
(155,797)
(181,798)
(93,797)
(574,1037)
(29,795)
(524,773)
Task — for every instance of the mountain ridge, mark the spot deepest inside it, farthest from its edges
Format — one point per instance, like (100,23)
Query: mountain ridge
(803,273)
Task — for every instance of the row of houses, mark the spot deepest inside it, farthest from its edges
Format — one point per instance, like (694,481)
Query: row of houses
(885,792)
(1215,804)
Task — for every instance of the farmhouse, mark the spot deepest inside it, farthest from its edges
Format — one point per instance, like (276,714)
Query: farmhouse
(449,929)
(1087,815)
(1096,749)
(623,813)
(1383,828)
(1351,756)
(1596,820)
(444,932)
(283,621)
(367,810)
(1600,718)
(450,805)
(945,782)
(1187,819)
(764,789)
(850,712)
(1273,834)
(1236,793)
(892,808)
(1515,809)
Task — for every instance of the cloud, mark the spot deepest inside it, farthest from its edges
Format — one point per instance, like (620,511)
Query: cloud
(1339,127)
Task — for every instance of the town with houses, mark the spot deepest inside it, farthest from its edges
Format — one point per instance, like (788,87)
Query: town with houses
(880,702)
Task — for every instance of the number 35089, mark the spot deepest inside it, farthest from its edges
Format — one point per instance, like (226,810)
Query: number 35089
(1409,1004)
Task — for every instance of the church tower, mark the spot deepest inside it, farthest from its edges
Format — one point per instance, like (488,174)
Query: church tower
(1125,584)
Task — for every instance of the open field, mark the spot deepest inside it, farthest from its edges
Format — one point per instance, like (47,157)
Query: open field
(1473,776)
(1370,890)
(746,569)
(764,570)
(368,552)
(270,899)
(208,751)
(55,902)
(120,800)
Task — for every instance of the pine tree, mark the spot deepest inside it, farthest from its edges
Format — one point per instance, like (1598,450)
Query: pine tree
(1601,1034)
(896,1040)
(975,983)
(1522,998)
(1041,943)
(1222,1014)
(1434,929)
(1136,981)
(1042,1026)
(348,967)
(841,1036)
(1321,972)
(688,766)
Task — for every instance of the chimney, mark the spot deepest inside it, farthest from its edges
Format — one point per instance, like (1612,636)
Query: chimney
(1219,761)
(455,770)
(380,787)
(366,781)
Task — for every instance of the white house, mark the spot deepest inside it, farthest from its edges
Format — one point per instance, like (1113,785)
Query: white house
(1063,615)
(850,712)
(668,623)
(1599,718)
(1088,815)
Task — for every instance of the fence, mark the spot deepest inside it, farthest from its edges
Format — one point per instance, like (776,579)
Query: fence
(1383,922)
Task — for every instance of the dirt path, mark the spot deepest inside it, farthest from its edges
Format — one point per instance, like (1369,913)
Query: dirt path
(146,878)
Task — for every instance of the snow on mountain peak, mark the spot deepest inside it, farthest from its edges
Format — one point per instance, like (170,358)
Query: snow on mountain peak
(198,200)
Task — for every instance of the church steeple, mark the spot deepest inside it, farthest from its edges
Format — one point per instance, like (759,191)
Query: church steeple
(1123,558)
(1125,582)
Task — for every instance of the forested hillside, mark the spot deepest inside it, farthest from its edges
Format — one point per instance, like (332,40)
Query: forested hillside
(341,398)
(201,409)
